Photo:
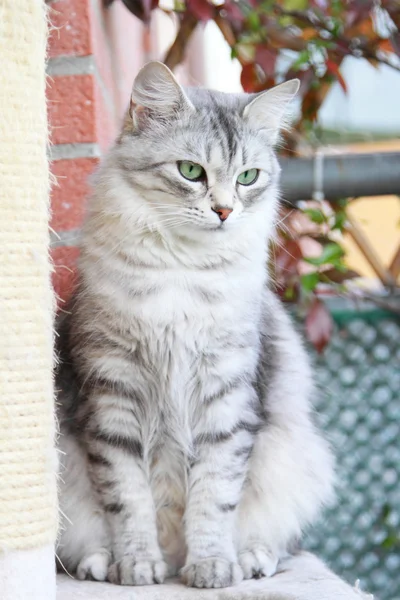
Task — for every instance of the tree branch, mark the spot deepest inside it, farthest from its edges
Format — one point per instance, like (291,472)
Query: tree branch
(379,59)
(176,53)
(319,24)
(227,31)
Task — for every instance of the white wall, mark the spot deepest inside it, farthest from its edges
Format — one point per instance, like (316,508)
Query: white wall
(372,102)
(221,72)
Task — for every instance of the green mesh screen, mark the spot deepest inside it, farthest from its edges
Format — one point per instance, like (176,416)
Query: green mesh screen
(359,408)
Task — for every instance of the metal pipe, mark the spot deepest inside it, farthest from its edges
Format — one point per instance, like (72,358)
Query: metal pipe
(343,176)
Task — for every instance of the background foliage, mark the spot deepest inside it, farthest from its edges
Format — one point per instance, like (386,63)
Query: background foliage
(308,39)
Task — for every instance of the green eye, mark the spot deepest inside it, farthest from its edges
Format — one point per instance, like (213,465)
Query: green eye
(191,171)
(248,177)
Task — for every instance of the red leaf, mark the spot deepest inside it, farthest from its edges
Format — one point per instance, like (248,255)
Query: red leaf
(140,8)
(201,9)
(311,102)
(249,78)
(319,325)
(266,58)
(362,28)
(340,276)
(233,12)
(344,46)
(334,69)
(287,258)
(306,78)
(385,45)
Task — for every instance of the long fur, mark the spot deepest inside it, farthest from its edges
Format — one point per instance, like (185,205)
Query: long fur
(185,393)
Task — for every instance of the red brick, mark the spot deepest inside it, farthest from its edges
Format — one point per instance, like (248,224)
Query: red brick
(70,32)
(71,109)
(64,275)
(68,197)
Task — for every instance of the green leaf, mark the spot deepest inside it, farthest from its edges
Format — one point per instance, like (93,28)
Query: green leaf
(295,4)
(342,202)
(246,51)
(336,28)
(337,7)
(330,254)
(302,59)
(340,266)
(386,511)
(316,215)
(309,282)
(391,542)
(253,21)
(322,43)
(289,293)
(340,220)
(179,6)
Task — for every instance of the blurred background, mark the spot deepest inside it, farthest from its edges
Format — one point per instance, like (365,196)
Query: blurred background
(337,253)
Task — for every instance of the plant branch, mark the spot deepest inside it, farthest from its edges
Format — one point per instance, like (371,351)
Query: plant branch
(227,31)
(379,59)
(176,53)
(384,303)
(319,25)
(394,267)
(369,253)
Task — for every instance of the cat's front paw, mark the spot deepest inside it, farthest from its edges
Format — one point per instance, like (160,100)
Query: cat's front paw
(94,566)
(212,572)
(257,563)
(130,571)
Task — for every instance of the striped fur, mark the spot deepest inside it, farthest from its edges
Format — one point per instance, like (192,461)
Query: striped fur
(184,402)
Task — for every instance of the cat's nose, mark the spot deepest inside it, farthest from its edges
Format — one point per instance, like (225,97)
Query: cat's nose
(223,213)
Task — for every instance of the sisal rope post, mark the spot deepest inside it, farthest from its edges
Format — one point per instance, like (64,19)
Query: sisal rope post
(28,506)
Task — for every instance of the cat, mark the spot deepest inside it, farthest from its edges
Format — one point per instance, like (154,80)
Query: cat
(187,440)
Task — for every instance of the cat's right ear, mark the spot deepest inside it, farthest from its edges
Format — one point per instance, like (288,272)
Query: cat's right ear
(268,110)
(157,93)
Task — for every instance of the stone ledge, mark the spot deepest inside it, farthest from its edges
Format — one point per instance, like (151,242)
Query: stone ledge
(303,577)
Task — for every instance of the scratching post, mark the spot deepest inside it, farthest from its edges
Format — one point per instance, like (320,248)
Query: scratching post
(27,456)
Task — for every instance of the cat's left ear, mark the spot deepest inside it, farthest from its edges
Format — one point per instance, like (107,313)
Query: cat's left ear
(269,109)
(157,92)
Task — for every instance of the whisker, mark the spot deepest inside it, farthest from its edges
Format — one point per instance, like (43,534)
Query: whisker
(64,568)
(289,214)
(65,516)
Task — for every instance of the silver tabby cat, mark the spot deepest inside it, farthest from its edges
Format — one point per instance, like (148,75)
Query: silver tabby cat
(187,439)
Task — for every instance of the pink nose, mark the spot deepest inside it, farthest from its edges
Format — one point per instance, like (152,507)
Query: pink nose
(223,213)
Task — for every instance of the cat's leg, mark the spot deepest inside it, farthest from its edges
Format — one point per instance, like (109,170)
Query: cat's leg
(119,475)
(289,479)
(291,467)
(84,541)
(215,485)
(214,489)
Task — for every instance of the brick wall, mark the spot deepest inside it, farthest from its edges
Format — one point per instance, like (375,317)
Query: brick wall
(93,56)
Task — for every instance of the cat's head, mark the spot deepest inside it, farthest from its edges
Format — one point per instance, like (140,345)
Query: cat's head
(202,160)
